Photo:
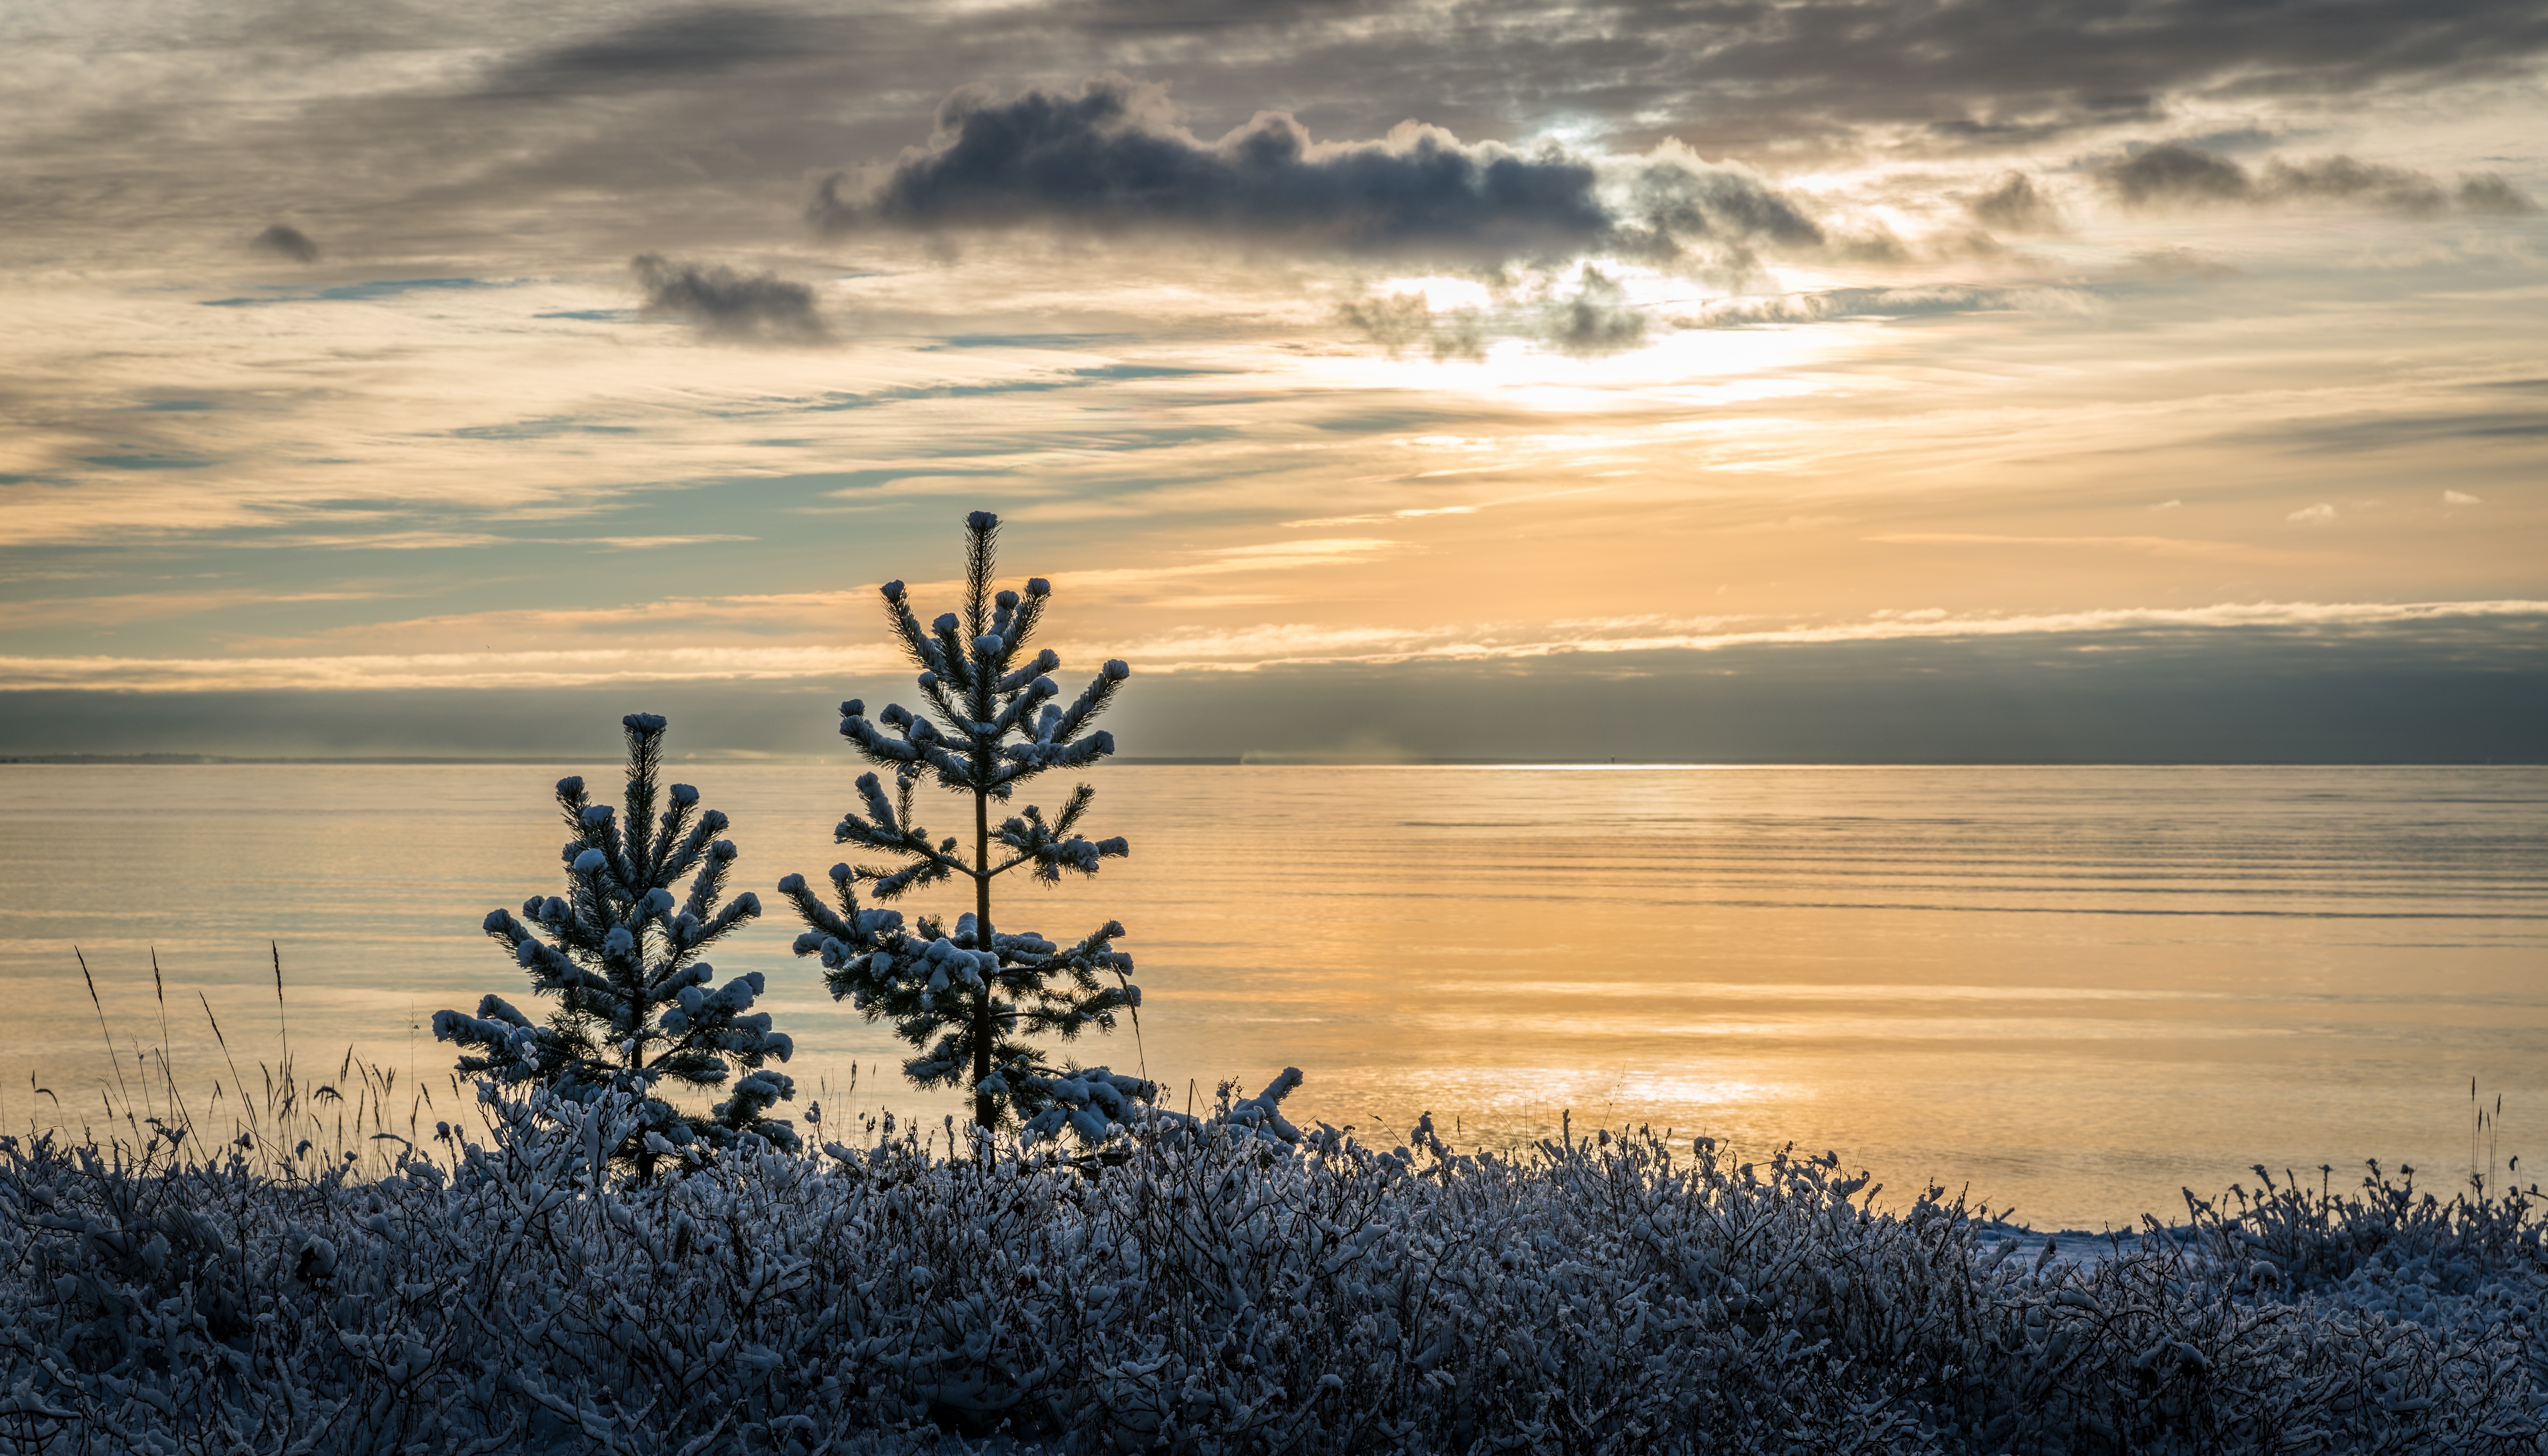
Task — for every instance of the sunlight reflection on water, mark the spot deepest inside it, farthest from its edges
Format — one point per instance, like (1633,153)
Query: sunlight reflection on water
(2076,989)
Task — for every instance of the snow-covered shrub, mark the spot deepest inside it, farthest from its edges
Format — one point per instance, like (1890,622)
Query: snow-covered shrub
(2314,1239)
(972,1000)
(636,1006)
(1213,1292)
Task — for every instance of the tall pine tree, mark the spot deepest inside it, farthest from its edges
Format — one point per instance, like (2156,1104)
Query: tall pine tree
(971,1002)
(635,1009)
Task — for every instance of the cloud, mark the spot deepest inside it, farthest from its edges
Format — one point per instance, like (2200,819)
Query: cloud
(2488,195)
(1113,156)
(2342,179)
(2173,547)
(2177,265)
(1741,312)
(2171,173)
(1402,321)
(2016,205)
(1218,650)
(287,241)
(693,45)
(119,608)
(1788,78)
(377,672)
(1300,644)
(1595,319)
(2461,497)
(731,306)
(2314,515)
(1274,555)
(1265,645)
(631,127)
(1678,204)
(2174,174)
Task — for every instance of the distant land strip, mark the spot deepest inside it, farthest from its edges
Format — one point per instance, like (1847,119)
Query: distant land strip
(1279,761)
(718,759)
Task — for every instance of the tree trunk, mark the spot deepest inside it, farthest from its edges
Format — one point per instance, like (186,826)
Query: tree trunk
(986,1108)
(637,1063)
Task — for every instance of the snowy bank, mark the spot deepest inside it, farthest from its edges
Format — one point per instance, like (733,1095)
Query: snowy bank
(1217,1288)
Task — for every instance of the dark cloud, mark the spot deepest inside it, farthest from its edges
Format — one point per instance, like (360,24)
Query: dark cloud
(1591,319)
(1736,75)
(1112,157)
(729,306)
(2017,205)
(287,241)
(1595,319)
(1994,70)
(2490,195)
(1116,158)
(2174,174)
(1744,77)
(1401,322)
(668,50)
(1682,209)
(2342,179)
(679,125)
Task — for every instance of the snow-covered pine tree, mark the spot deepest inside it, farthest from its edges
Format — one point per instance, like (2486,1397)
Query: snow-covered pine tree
(634,1005)
(972,1001)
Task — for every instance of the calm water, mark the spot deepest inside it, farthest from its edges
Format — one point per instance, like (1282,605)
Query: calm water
(2075,990)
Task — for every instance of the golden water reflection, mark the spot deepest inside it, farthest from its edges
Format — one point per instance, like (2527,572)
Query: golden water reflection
(2075,990)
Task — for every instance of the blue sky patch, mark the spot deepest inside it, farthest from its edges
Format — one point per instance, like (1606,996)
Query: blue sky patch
(941,391)
(1075,343)
(1140,371)
(359,292)
(145,462)
(534,429)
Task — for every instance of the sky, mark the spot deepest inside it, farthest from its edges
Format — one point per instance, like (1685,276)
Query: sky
(2049,380)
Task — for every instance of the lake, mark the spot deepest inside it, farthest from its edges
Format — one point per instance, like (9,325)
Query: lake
(2075,990)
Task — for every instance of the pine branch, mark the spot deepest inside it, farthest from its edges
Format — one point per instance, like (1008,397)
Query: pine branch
(981,542)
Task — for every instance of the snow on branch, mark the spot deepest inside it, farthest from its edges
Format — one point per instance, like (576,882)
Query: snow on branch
(622,965)
(992,720)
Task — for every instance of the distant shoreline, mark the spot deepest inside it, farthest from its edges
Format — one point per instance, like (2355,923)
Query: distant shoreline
(189,760)
(1254,761)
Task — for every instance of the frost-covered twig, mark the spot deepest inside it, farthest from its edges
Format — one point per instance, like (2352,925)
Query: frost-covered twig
(1207,1289)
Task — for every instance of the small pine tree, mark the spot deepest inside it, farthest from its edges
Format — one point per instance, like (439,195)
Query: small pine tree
(971,1001)
(634,1005)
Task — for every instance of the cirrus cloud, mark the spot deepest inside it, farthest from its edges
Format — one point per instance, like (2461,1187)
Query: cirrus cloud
(1240,649)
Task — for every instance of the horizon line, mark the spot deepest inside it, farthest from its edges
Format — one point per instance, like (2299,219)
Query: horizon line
(1246,761)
